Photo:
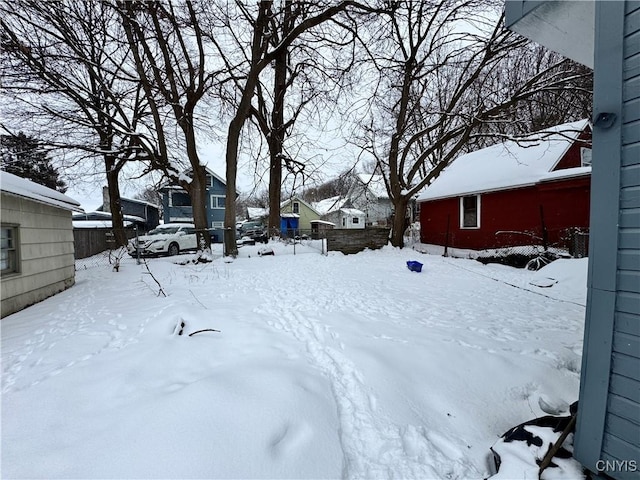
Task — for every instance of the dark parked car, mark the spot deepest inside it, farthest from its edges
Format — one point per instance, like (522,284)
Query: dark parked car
(250,237)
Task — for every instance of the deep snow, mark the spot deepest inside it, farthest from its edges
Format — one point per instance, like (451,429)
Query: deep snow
(324,367)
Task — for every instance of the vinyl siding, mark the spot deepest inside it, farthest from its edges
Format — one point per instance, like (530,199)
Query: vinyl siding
(608,426)
(622,425)
(46,258)
(306,214)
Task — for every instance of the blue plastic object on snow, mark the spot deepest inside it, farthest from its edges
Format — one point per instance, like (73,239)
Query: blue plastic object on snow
(414,266)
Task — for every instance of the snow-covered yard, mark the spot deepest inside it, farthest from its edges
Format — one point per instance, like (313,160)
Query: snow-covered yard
(324,367)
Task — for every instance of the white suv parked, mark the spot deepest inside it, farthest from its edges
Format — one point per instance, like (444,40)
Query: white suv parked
(168,239)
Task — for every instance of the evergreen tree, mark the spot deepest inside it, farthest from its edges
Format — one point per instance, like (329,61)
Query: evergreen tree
(22,155)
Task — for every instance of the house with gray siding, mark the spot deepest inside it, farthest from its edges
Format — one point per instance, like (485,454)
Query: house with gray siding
(36,256)
(605,36)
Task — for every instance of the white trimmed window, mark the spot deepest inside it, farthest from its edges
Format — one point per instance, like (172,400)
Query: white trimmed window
(585,156)
(218,202)
(217,224)
(9,249)
(470,211)
(344,222)
(355,220)
(296,207)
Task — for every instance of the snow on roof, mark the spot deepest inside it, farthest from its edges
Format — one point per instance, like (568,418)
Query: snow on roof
(22,187)
(566,173)
(175,224)
(106,215)
(141,202)
(329,205)
(322,222)
(506,165)
(256,212)
(289,215)
(352,211)
(81,224)
(375,184)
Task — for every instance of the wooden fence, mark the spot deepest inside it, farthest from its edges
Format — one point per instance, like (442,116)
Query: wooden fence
(91,241)
(355,240)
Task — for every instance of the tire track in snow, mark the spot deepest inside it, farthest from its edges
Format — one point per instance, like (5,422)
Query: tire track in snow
(373,446)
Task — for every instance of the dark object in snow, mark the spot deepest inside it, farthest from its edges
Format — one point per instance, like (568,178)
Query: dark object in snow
(520,433)
(251,236)
(265,251)
(544,282)
(414,266)
(179,328)
(204,330)
(518,257)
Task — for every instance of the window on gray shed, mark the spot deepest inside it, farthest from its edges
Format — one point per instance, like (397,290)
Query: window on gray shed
(9,249)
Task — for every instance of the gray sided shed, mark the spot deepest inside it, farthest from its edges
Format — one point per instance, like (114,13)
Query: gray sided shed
(607,436)
(38,222)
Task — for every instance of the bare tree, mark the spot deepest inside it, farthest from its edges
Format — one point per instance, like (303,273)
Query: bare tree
(61,65)
(170,59)
(337,186)
(304,84)
(547,106)
(439,87)
(257,52)
(149,195)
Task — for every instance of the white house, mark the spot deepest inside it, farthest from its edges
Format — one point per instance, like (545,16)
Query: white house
(36,256)
(336,211)
(348,218)
(369,194)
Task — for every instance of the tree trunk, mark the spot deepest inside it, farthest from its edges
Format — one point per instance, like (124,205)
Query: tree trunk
(115,204)
(276,140)
(233,139)
(198,187)
(275,183)
(199,199)
(235,128)
(399,221)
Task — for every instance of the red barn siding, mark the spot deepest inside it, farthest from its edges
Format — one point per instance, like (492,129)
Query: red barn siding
(565,204)
(573,157)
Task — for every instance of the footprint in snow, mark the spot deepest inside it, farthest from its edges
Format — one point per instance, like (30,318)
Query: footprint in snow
(288,438)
